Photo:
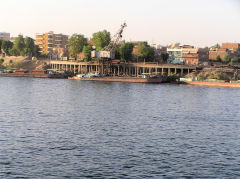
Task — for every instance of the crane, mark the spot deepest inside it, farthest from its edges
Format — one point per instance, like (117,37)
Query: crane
(108,52)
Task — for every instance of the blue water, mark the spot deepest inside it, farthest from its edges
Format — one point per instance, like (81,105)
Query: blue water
(77,129)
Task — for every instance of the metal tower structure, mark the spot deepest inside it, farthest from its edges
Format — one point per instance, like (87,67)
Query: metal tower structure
(108,52)
(115,41)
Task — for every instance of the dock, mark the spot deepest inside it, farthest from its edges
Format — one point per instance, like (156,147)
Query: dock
(121,69)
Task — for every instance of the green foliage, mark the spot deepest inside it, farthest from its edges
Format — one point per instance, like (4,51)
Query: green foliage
(14,51)
(21,46)
(218,58)
(36,51)
(76,44)
(87,49)
(200,77)
(165,57)
(117,53)
(146,52)
(1,45)
(226,59)
(29,46)
(126,50)
(18,46)
(220,76)
(6,46)
(101,39)
(1,61)
(235,60)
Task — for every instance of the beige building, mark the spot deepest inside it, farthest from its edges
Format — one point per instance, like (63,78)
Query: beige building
(4,36)
(49,43)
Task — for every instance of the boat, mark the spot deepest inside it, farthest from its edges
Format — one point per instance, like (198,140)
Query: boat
(97,77)
(210,83)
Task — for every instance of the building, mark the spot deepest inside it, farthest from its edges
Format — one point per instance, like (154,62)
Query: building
(50,43)
(190,56)
(214,53)
(175,55)
(233,47)
(4,36)
(186,54)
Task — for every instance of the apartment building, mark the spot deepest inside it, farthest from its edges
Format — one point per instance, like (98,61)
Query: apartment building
(187,54)
(214,53)
(50,43)
(175,55)
(190,56)
(233,47)
(4,35)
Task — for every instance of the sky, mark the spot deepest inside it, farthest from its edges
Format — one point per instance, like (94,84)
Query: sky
(195,22)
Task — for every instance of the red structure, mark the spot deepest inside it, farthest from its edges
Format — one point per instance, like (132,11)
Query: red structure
(214,53)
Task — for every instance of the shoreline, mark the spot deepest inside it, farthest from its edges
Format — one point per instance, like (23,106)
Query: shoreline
(32,75)
(127,80)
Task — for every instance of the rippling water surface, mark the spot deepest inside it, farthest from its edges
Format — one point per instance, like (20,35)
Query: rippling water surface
(77,129)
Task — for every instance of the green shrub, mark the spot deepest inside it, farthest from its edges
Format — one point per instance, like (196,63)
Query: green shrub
(1,61)
(200,77)
(220,76)
(235,60)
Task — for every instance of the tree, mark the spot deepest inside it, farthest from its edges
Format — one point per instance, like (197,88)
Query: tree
(235,60)
(76,44)
(36,51)
(126,50)
(117,53)
(218,58)
(165,57)
(87,49)
(29,46)
(1,45)
(14,52)
(6,46)
(19,46)
(101,39)
(146,52)
(226,59)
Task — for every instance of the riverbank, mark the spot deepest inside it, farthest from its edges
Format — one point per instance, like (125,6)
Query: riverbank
(32,75)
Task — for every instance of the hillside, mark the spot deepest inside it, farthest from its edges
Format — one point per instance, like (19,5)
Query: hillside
(24,63)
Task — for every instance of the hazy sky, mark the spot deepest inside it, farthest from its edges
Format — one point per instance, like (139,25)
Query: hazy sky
(197,22)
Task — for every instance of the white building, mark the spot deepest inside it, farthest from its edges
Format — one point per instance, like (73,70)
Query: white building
(4,35)
(175,55)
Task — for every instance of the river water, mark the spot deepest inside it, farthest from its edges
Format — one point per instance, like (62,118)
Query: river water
(78,129)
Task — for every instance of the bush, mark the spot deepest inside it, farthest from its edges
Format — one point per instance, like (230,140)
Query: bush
(1,61)
(218,58)
(235,60)
(220,76)
(200,77)
(226,59)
